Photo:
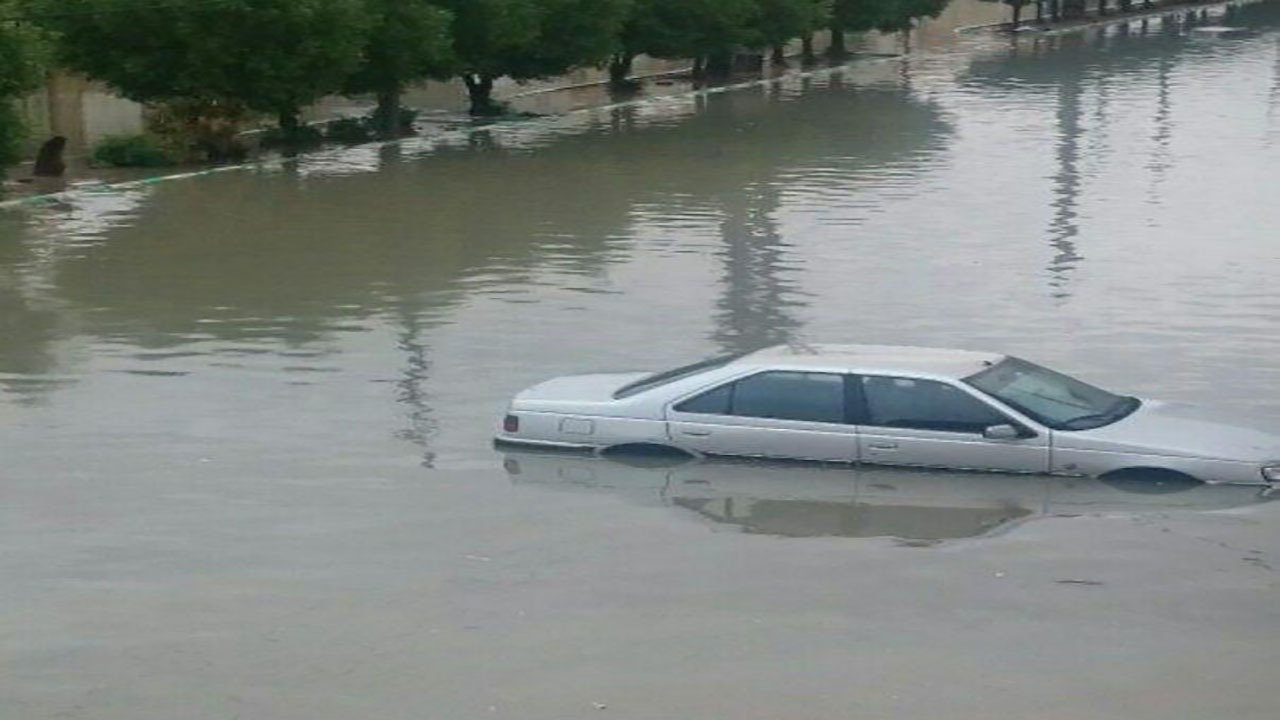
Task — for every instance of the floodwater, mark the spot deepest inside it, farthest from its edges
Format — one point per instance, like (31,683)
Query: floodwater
(800,499)
(245,417)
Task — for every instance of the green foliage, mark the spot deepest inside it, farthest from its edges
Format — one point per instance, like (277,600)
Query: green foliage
(131,151)
(12,132)
(780,21)
(572,33)
(527,39)
(408,41)
(883,15)
(690,28)
(899,15)
(21,69)
(486,33)
(22,57)
(198,130)
(272,56)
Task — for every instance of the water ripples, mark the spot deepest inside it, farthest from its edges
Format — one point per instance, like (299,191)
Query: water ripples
(1098,202)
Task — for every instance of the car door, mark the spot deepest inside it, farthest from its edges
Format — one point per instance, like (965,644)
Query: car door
(779,414)
(917,421)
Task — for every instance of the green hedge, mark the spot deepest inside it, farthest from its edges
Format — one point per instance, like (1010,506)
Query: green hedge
(131,151)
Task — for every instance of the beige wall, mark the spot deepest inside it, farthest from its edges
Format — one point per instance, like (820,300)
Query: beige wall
(85,112)
(82,111)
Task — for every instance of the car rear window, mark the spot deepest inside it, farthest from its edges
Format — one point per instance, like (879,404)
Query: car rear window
(670,376)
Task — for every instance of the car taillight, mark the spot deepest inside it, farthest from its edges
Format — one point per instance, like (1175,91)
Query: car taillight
(511,424)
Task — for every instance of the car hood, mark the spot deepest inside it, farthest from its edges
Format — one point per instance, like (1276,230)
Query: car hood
(574,390)
(1184,431)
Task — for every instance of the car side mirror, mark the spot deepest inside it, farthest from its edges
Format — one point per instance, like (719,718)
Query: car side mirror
(1002,432)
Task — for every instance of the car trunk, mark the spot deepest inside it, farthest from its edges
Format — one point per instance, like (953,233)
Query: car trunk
(573,389)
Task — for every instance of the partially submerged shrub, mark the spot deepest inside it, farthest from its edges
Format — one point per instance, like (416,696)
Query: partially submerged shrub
(350,131)
(131,151)
(401,123)
(13,131)
(353,131)
(200,130)
(301,137)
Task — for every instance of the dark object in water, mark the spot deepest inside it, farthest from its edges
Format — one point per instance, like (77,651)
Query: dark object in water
(49,160)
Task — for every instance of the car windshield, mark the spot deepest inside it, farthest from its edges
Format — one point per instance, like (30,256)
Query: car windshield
(658,379)
(1058,401)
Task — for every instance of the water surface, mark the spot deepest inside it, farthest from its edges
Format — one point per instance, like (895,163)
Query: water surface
(1100,202)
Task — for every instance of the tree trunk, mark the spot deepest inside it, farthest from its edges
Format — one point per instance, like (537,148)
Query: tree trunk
(806,47)
(387,117)
(720,63)
(619,69)
(779,56)
(697,67)
(1055,13)
(480,91)
(290,126)
(837,48)
(1017,14)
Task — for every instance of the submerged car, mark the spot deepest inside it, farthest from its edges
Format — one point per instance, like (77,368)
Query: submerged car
(890,405)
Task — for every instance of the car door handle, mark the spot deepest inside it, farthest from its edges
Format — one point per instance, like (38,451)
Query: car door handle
(883,445)
(697,433)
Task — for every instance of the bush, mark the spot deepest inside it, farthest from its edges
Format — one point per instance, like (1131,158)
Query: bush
(349,131)
(131,151)
(403,124)
(12,132)
(199,130)
(354,131)
(301,138)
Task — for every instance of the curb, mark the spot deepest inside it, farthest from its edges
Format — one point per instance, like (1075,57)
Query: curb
(99,188)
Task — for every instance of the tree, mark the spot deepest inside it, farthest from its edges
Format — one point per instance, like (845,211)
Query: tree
(1016,6)
(20,72)
(882,15)
(781,21)
(902,15)
(677,29)
(528,39)
(485,33)
(850,16)
(409,40)
(271,56)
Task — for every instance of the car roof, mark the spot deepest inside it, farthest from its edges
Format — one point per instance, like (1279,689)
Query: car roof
(873,359)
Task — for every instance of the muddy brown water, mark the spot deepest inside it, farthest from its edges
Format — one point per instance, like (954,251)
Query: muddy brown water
(273,378)
(1099,203)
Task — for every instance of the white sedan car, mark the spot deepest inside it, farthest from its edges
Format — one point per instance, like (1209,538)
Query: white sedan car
(894,406)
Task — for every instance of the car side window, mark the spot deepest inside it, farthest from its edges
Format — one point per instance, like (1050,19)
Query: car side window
(811,397)
(711,402)
(926,405)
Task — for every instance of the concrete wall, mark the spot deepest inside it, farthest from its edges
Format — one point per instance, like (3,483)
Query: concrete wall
(85,112)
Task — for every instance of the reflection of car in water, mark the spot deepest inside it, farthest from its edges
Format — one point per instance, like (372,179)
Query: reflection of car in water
(815,499)
(882,405)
